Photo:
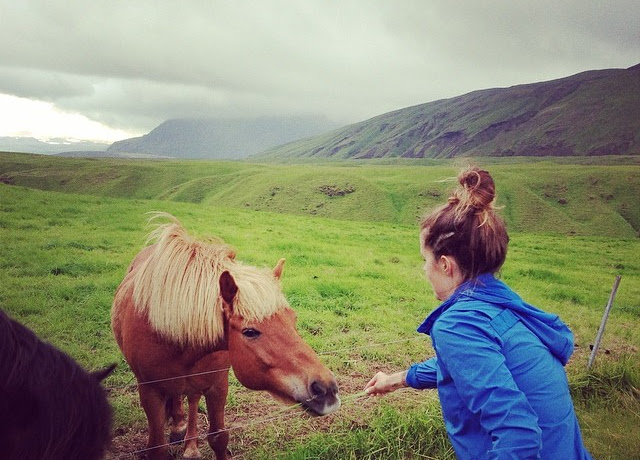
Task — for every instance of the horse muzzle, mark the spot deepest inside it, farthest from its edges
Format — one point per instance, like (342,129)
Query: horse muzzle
(324,398)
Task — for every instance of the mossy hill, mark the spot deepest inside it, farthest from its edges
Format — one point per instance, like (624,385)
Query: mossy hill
(591,113)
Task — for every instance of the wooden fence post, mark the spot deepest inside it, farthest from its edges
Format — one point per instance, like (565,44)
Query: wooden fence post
(603,323)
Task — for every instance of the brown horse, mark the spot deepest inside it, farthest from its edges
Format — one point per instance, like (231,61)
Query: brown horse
(187,311)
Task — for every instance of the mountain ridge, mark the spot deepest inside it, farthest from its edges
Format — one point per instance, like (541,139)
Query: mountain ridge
(220,138)
(51,147)
(591,113)
(595,112)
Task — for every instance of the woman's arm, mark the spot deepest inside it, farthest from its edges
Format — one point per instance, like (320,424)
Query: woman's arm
(422,376)
(383,383)
(419,376)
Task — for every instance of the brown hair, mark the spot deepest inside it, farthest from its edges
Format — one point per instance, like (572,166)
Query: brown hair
(468,226)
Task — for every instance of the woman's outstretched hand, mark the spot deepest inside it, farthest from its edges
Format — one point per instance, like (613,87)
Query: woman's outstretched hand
(383,383)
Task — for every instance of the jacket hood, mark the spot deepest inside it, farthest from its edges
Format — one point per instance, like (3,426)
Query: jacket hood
(551,331)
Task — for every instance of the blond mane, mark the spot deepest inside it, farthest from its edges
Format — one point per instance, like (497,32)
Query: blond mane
(177,286)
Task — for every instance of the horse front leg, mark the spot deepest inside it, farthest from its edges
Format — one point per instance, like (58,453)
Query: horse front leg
(191,450)
(154,405)
(178,422)
(216,399)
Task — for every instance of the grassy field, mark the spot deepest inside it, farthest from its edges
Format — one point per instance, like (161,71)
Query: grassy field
(596,198)
(69,228)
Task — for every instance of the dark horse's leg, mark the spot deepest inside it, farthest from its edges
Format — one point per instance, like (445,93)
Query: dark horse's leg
(216,398)
(154,405)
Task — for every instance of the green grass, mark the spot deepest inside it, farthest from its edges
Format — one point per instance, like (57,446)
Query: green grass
(391,434)
(355,281)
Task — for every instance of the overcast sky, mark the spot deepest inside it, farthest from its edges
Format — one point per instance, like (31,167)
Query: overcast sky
(113,69)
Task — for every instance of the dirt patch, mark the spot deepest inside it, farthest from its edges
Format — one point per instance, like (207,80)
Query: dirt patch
(4,179)
(334,190)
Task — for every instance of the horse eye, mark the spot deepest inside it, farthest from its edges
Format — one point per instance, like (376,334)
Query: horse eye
(250,333)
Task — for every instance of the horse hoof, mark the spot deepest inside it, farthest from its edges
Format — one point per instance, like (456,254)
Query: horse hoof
(177,436)
(191,453)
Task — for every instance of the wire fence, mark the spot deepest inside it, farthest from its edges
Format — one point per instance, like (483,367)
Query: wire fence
(281,414)
(131,384)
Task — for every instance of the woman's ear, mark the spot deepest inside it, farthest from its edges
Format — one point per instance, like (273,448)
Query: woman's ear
(447,264)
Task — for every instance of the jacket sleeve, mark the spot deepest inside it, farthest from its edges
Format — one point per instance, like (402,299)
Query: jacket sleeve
(422,375)
(470,351)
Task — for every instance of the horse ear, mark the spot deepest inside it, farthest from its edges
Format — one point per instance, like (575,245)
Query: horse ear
(277,271)
(104,373)
(228,288)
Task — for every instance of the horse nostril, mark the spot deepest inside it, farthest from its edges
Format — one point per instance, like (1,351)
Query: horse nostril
(323,397)
(334,388)
(318,389)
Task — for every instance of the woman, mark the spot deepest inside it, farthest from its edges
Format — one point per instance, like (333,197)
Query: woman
(499,361)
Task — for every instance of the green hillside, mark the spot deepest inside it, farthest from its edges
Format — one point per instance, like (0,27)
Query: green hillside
(591,113)
(538,196)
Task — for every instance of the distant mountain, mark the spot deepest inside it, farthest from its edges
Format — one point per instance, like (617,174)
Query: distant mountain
(591,113)
(54,146)
(216,138)
(105,154)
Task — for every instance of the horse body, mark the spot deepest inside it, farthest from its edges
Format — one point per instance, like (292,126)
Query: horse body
(177,286)
(51,407)
(156,362)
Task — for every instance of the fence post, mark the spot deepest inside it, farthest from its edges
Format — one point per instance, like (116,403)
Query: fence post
(603,323)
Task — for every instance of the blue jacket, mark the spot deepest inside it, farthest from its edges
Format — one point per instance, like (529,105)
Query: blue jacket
(500,377)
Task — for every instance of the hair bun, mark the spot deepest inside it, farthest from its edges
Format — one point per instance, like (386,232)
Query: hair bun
(477,189)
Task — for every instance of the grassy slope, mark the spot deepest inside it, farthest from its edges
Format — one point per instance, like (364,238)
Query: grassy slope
(543,197)
(355,284)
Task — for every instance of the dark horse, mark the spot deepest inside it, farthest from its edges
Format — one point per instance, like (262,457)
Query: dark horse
(186,312)
(50,407)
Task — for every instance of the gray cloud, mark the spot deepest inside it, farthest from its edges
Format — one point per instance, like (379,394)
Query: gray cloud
(44,85)
(132,65)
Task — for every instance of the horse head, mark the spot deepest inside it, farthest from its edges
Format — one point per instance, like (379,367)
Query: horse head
(271,355)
